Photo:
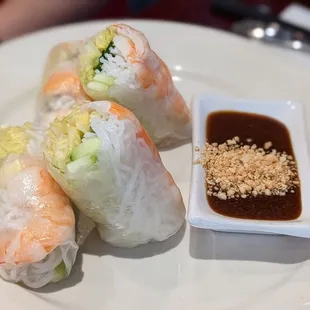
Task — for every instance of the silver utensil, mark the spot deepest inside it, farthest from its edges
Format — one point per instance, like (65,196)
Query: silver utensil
(273,33)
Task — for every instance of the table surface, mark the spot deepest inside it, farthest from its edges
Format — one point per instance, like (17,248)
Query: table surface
(192,11)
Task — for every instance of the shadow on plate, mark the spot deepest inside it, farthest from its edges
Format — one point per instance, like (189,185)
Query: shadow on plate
(175,144)
(211,245)
(95,246)
(75,277)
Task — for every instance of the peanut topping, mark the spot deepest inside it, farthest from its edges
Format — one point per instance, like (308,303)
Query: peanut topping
(234,170)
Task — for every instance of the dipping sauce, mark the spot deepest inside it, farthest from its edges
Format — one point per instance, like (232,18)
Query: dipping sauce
(254,129)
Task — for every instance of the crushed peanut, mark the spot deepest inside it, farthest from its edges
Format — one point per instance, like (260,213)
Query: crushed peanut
(234,170)
(267,145)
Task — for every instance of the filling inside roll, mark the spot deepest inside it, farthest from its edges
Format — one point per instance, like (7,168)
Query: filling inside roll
(107,61)
(13,140)
(72,143)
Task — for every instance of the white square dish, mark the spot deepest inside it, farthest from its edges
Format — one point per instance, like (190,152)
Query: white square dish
(292,115)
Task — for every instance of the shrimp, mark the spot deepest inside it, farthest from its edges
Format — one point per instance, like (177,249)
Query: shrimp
(65,83)
(42,207)
(123,113)
(63,53)
(153,71)
(60,83)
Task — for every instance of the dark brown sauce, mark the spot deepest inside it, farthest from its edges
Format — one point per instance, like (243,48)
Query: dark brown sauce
(225,125)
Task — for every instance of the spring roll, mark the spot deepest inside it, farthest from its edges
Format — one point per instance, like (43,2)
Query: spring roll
(62,57)
(60,89)
(118,64)
(60,85)
(108,165)
(37,224)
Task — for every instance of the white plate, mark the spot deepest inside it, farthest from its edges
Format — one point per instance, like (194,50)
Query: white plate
(289,113)
(196,269)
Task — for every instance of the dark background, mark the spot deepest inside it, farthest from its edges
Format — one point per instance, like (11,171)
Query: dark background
(192,11)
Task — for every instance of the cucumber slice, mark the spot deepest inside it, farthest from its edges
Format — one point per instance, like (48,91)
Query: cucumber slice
(103,78)
(98,86)
(89,147)
(83,162)
(60,273)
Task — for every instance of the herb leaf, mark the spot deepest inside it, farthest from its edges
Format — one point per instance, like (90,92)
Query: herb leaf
(104,55)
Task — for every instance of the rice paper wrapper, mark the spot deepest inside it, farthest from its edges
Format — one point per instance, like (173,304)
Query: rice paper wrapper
(84,225)
(118,64)
(37,223)
(62,57)
(60,84)
(127,191)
